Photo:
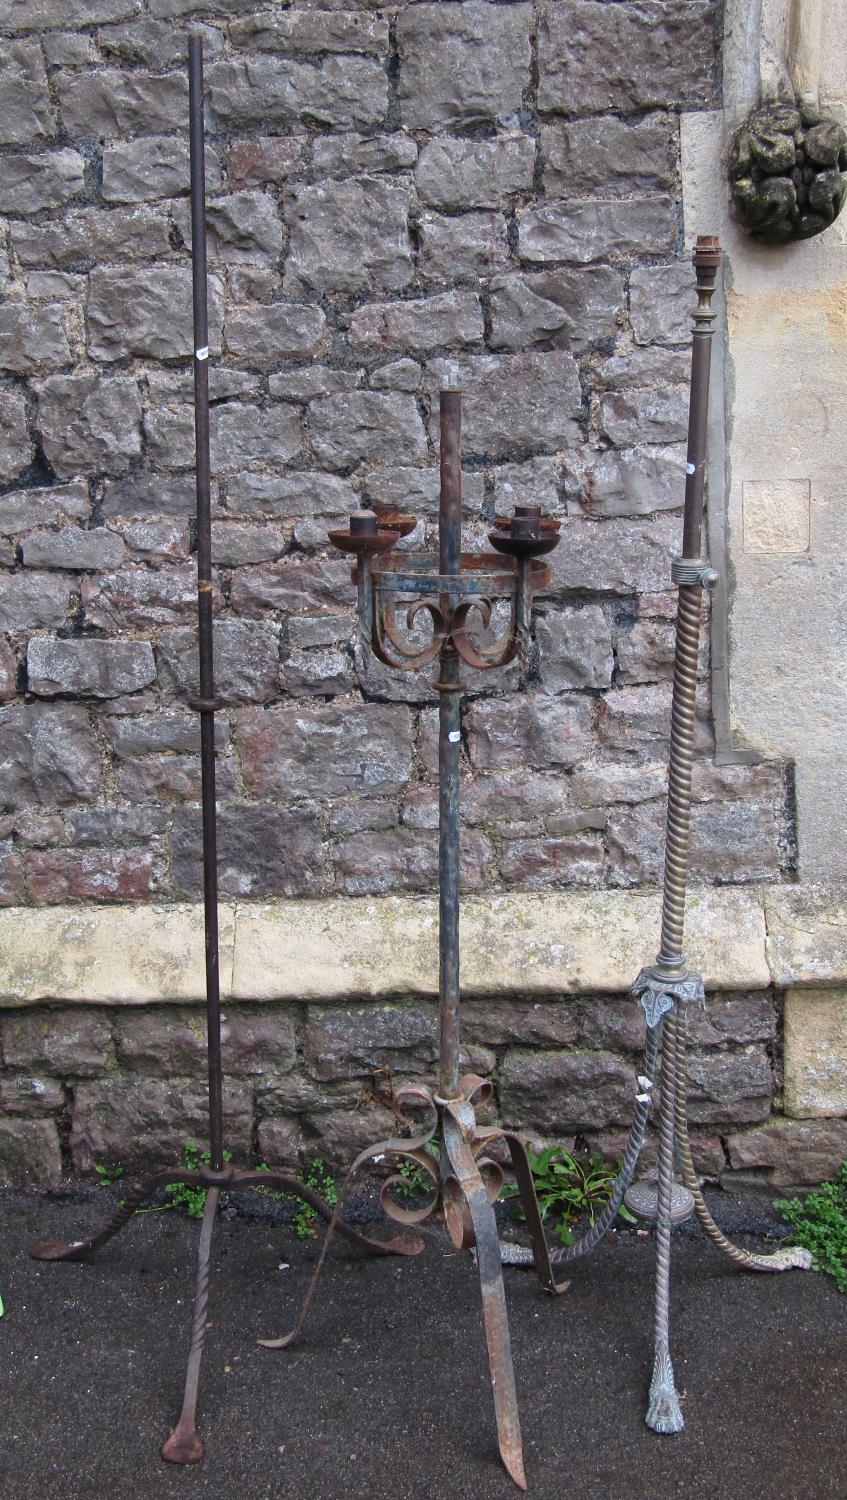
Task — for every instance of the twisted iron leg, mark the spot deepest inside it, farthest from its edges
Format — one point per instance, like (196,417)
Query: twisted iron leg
(185,1445)
(790,1257)
(663,1411)
(544,1258)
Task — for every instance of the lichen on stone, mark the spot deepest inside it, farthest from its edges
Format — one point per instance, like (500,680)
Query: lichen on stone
(785,170)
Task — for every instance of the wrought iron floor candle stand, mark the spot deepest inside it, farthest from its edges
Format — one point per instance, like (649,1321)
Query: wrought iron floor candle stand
(457,592)
(185,1445)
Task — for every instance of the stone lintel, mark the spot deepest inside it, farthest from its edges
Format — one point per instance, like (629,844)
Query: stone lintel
(341,948)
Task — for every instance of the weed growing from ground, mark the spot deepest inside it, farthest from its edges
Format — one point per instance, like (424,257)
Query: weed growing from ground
(819,1222)
(185,1194)
(109,1175)
(568,1188)
(318,1177)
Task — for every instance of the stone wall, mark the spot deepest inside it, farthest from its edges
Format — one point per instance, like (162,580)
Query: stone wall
(389,188)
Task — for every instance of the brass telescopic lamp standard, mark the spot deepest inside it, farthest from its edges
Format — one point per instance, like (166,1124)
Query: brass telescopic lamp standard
(666,988)
(185,1445)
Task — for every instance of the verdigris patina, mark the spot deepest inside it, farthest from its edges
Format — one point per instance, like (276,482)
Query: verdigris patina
(785,171)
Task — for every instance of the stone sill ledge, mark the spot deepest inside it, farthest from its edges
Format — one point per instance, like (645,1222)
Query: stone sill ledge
(739,938)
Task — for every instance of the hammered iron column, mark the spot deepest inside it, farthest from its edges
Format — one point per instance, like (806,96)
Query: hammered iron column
(185,1445)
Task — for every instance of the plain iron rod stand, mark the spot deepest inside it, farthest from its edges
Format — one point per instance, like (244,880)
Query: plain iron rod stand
(185,1445)
(456,592)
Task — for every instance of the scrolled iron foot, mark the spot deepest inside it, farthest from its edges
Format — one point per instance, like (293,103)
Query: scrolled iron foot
(664,1413)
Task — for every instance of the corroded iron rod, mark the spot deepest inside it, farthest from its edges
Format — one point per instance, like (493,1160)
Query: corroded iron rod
(449,751)
(206,703)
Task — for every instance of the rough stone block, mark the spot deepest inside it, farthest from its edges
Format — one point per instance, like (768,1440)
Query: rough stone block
(242,434)
(460,174)
(523,402)
(557,1092)
(815,1052)
(539,731)
(339,1135)
(89,424)
(342,155)
(17,449)
(138,598)
(615,557)
(402,859)
(452,319)
(144,495)
(67,1043)
(593,58)
(88,668)
(462,64)
(461,249)
(32,338)
(33,601)
(246,660)
(236,543)
(150,734)
(119,102)
(60,875)
(645,652)
(729,841)
(157,541)
(632,482)
(791,1153)
(48,756)
(21,509)
(158,1042)
(587,229)
(32,181)
(154,167)
(325,751)
(146,1122)
(350,237)
(661,303)
(535,863)
(729,1088)
(416,490)
(265,334)
(575,649)
(269,159)
(605,155)
(321,630)
(26,113)
(556,309)
(241,227)
(324,673)
(343,1042)
(287,495)
(291,586)
(654,416)
(27,1095)
(342,93)
(279,1141)
(145,313)
(295,31)
(154,44)
(30,1155)
(72,547)
(732,1018)
(263,850)
(399,375)
(367,425)
(114,824)
(519,797)
(312,380)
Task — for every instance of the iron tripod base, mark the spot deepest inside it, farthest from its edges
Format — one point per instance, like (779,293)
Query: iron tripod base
(185,1445)
(450,1151)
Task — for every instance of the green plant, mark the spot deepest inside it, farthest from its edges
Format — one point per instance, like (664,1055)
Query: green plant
(316,1176)
(109,1174)
(185,1194)
(416,1182)
(819,1222)
(568,1188)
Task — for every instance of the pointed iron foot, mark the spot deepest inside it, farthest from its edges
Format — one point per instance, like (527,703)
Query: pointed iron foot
(184,1446)
(664,1413)
(60,1250)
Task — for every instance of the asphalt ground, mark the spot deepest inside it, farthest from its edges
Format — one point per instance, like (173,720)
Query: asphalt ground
(386,1396)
